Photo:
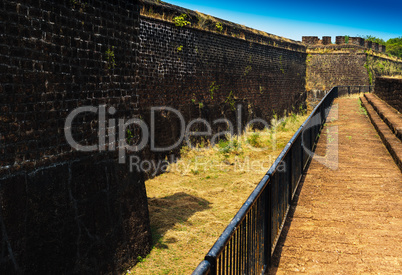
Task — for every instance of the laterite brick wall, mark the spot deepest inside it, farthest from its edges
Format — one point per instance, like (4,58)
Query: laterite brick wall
(389,90)
(63,211)
(329,69)
(53,59)
(326,70)
(200,72)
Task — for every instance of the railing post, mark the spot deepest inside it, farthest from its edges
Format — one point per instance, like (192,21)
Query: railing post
(267,225)
(289,169)
(311,136)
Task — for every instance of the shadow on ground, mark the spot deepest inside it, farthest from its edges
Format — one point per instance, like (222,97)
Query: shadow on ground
(168,211)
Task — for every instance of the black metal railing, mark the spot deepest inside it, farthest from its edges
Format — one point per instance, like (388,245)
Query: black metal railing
(248,242)
(356,89)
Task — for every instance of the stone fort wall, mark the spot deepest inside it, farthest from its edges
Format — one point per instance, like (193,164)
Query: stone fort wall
(64,211)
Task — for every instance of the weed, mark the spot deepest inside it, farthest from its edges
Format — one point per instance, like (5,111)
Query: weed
(179,48)
(212,88)
(302,110)
(254,140)
(230,99)
(226,147)
(129,137)
(195,172)
(293,117)
(110,58)
(140,259)
(362,110)
(247,70)
(219,26)
(202,20)
(180,21)
(282,124)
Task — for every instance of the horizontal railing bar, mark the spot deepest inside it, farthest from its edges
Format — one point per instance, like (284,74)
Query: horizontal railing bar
(203,268)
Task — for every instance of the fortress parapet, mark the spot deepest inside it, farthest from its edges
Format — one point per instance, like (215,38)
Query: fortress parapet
(342,41)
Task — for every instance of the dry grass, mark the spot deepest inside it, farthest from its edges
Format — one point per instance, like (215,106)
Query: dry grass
(329,50)
(191,205)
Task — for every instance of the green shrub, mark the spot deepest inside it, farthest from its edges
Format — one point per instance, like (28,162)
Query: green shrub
(180,21)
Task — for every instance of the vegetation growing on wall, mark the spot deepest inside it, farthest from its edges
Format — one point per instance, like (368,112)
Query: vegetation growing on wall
(180,21)
(231,101)
(369,71)
(213,88)
(219,26)
(381,67)
(110,58)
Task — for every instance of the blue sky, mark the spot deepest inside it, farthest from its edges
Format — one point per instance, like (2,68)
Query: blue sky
(294,19)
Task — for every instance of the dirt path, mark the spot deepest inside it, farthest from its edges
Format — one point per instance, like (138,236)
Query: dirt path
(348,220)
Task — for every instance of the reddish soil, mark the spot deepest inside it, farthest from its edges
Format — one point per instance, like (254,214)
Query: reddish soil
(348,220)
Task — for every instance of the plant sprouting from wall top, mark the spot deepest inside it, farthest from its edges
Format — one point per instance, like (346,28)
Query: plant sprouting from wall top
(219,26)
(180,21)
